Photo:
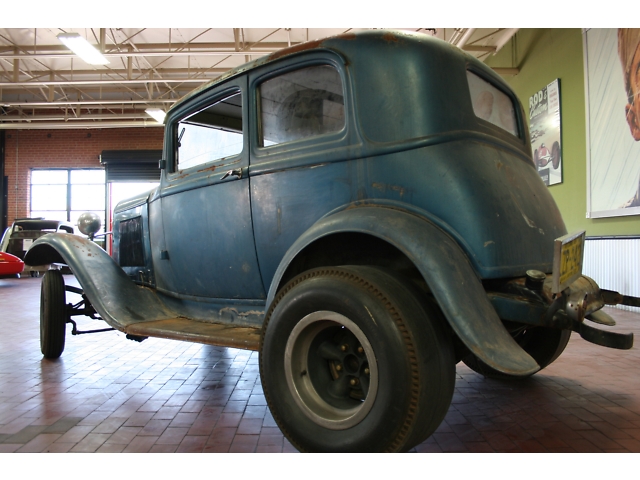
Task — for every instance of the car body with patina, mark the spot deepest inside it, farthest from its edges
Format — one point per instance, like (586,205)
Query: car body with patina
(365,211)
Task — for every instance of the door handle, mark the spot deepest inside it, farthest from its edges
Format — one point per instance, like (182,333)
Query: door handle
(233,173)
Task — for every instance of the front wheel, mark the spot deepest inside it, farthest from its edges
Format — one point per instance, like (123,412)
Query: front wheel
(544,344)
(555,155)
(53,314)
(352,360)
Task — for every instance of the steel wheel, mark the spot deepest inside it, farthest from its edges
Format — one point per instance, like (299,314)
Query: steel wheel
(331,370)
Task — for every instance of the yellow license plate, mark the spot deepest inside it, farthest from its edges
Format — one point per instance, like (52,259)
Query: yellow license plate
(567,260)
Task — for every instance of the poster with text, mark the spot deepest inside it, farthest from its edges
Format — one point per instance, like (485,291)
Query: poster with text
(612,59)
(546,143)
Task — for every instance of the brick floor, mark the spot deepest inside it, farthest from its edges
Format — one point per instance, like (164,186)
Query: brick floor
(109,394)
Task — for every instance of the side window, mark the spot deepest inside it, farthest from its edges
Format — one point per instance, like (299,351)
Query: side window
(301,104)
(210,134)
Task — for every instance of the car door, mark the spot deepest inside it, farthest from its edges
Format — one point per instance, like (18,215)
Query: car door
(208,246)
(301,144)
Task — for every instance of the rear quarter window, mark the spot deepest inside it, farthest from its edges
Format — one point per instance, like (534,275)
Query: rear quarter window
(491,104)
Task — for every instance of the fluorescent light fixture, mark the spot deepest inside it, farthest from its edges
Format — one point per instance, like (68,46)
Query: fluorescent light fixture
(82,48)
(157,114)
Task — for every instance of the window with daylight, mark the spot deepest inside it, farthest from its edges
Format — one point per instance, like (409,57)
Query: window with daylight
(211,134)
(65,194)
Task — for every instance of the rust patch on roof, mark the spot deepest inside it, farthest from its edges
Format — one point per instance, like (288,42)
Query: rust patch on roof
(295,49)
(390,37)
(301,47)
(346,36)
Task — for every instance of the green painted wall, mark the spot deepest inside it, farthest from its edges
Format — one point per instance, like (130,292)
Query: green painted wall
(543,55)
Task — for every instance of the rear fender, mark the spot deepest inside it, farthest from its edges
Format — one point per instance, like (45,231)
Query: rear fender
(446,270)
(118,300)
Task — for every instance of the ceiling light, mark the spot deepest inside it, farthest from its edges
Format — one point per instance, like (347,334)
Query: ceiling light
(82,48)
(157,114)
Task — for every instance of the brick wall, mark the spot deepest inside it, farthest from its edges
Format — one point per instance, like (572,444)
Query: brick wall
(28,149)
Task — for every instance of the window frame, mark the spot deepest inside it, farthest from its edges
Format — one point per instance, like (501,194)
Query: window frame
(260,153)
(260,111)
(520,121)
(202,102)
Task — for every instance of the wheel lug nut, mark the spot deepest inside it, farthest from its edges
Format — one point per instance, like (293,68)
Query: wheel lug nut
(344,347)
(360,350)
(353,382)
(338,367)
(366,371)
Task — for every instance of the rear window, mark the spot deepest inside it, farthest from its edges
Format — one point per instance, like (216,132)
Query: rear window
(491,104)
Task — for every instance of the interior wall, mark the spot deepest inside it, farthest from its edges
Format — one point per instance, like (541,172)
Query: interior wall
(3,199)
(29,149)
(542,55)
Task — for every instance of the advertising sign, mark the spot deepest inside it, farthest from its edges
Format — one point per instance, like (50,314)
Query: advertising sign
(546,143)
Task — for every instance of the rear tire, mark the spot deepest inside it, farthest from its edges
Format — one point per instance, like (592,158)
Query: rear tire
(352,360)
(545,345)
(53,314)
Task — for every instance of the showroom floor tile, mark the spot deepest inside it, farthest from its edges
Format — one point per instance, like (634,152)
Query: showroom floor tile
(109,394)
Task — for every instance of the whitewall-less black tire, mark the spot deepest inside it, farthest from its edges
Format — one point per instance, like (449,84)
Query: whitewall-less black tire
(353,359)
(53,314)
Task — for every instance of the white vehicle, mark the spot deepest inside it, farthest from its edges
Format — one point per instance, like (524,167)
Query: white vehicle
(17,239)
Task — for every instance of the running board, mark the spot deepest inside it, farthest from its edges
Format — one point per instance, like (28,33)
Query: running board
(221,335)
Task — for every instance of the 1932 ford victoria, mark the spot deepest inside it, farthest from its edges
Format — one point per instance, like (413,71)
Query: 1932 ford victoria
(364,210)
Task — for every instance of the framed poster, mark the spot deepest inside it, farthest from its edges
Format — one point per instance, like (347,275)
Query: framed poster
(611,61)
(545,127)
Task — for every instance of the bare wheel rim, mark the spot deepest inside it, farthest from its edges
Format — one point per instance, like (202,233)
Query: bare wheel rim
(331,370)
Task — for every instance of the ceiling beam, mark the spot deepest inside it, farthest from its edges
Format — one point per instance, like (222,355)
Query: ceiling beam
(87,103)
(114,82)
(77,125)
(141,54)
(479,48)
(146,46)
(146,50)
(123,73)
(26,118)
(465,38)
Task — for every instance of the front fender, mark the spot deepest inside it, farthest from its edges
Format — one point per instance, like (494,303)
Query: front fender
(118,300)
(447,271)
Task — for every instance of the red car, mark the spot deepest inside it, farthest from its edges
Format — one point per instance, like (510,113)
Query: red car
(10,265)
(542,156)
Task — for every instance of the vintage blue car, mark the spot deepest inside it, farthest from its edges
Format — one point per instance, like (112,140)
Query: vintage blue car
(365,212)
